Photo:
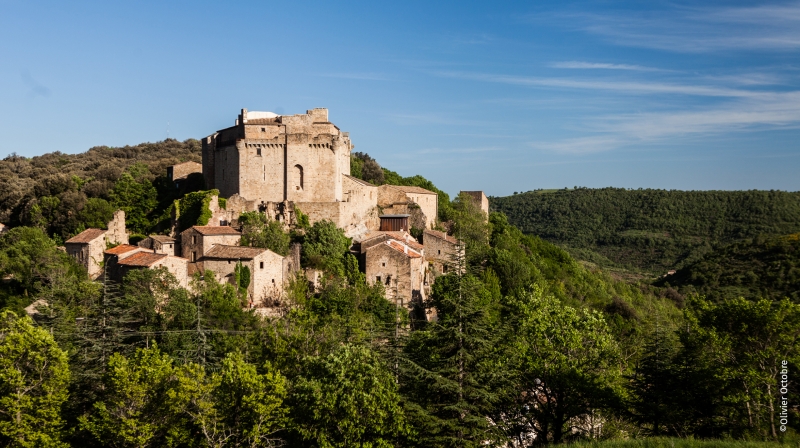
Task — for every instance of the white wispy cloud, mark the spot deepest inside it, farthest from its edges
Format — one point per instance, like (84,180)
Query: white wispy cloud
(358,76)
(704,29)
(602,66)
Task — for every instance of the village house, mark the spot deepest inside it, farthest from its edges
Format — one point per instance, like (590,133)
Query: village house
(441,250)
(268,271)
(178,174)
(400,268)
(196,241)
(176,266)
(87,247)
(161,244)
(421,204)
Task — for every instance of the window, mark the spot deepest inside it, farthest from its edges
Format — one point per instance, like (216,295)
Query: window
(383,264)
(194,239)
(440,251)
(388,279)
(258,151)
(263,129)
(261,266)
(273,281)
(297,177)
(378,278)
(194,256)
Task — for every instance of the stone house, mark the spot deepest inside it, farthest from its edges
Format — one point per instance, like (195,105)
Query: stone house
(400,268)
(441,250)
(161,244)
(112,256)
(196,241)
(268,271)
(142,259)
(87,247)
(181,171)
(418,202)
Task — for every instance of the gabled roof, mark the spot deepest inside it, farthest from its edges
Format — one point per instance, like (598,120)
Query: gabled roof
(121,249)
(216,230)
(234,252)
(86,236)
(398,246)
(162,238)
(359,181)
(441,236)
(410,189)
(142,259)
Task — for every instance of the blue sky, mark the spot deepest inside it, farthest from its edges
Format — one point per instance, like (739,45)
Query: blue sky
(502,97)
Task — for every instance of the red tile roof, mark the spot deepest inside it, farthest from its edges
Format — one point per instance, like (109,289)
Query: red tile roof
(86,236)
(396,245)
(121,249)
(142,259)
(216,230)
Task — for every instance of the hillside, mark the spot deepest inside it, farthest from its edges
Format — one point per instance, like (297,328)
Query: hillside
(649,230)
(767,267)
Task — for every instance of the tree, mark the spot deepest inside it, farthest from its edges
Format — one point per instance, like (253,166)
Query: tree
(134,410)
(135,194)
(257,232)
(348,399)
(324,246)
(34,375)
(453,368)
(653,384)
(566,369)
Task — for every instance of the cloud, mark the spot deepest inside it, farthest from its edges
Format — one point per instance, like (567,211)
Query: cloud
(634,87)
(602,66)
(698,30)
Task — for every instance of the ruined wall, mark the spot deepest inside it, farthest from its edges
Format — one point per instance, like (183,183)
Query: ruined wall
(90,255)
(429,204)
(116,233)
(183,170)
(480,199)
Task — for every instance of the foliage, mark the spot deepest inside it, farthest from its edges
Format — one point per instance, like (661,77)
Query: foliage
(134,193)
(651,230)
(348,399)
(767,267)
(366,168)
(257,232)
(324,247)
(33,384)
(566,371)
(193,209)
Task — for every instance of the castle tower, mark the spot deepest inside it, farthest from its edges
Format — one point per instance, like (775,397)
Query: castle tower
(272,158)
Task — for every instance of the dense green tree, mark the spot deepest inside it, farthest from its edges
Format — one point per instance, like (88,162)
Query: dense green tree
(257,232)
(348,398)
(33,384)
(565,372)
(324,247)
(134,193)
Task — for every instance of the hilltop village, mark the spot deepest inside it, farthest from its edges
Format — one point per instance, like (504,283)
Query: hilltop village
(282,166)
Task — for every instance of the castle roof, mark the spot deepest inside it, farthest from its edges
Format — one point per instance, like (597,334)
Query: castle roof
(86,236)
(142,259)
(216,230)
(234,252)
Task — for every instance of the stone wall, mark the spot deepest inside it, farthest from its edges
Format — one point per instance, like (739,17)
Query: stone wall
(116,233)
(401,276)
(183,170)
(90,255)
(480,199)
(194,244)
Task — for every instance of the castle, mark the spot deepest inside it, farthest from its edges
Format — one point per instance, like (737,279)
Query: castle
(280,165)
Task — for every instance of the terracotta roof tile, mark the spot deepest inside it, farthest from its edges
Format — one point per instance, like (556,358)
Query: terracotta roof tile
(86,236)
(234,252)
(396,245)
(216,230)
(142,259)
(400,236)
(121,249)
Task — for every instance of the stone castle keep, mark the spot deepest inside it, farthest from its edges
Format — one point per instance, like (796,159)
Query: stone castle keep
(281,165)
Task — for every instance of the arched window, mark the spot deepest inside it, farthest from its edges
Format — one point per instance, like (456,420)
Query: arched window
(297,177)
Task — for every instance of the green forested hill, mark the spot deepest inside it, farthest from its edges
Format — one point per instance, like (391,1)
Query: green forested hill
(766,267)
(650,230)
